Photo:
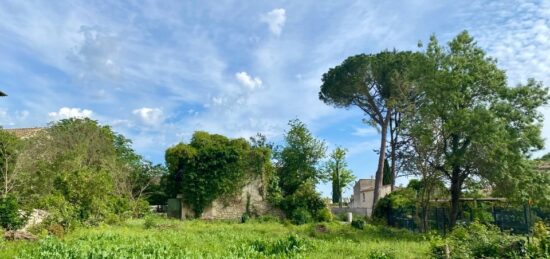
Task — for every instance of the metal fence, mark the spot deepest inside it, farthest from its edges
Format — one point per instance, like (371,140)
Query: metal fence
(517,220)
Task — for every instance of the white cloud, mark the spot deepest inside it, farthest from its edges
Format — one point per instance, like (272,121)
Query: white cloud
(66,112)
(248,81)
(151,116)
(363,132)
(276,20)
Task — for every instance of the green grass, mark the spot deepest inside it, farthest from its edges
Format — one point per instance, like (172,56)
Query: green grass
(217,239)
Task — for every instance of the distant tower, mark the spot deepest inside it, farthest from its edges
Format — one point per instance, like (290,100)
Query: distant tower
(3,94)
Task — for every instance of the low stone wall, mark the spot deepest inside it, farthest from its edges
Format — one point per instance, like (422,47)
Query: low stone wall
(355,211)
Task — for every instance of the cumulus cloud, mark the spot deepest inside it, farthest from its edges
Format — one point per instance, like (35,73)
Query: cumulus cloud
(275,19)
(66,112)
(248,81)
(151,116)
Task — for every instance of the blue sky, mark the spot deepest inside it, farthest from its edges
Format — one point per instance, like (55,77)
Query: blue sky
(159,70)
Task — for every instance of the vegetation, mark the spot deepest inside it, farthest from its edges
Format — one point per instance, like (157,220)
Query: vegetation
(194,239)
(81,173)
(375,83)
(486,241)
(10,147)
(212,166)
(10,218)
(298,172)
(340,176)
(479,127)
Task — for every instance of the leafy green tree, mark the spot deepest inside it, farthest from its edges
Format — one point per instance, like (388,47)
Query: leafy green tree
(377,84)
(211,166)
(137,178)
(478,126)
(72,170)
(338,173)
(10,147)
(300,157)
(299,171)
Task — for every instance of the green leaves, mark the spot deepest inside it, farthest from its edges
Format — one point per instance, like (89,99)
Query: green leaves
(212,166)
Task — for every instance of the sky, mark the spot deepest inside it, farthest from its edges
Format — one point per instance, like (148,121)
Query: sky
(157,71)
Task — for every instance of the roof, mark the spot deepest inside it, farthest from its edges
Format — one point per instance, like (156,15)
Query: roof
(24,132)
(3,94)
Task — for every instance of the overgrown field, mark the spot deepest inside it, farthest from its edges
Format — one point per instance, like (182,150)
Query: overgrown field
(163,238)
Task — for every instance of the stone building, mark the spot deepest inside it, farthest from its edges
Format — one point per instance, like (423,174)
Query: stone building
(363,195)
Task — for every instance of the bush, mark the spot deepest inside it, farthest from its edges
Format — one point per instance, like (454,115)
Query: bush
(479,241)
(56,230)
(401,199)
(305,206)
(287,247)
(358,224)
(150,222)
(380,255)
(324,215)
(10,217)
(301,216)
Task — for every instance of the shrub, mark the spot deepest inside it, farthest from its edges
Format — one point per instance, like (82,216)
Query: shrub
(358,223)
(324,215)
(380,255)
(305,206)
(402,199)
(150,222)
(479,241)
(301,216)
(287,247)
(56,230)
(10,217)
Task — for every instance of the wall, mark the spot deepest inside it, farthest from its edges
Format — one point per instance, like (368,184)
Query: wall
(355,211)
(359,202)
(235,207)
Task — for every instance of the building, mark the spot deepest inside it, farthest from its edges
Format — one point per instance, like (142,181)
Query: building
(363,194)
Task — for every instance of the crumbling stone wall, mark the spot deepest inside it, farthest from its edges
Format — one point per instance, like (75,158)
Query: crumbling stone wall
(235,207)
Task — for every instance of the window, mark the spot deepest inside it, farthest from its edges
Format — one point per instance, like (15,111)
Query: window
(363,197)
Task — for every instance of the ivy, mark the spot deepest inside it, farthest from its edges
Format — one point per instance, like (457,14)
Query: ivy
(212,166)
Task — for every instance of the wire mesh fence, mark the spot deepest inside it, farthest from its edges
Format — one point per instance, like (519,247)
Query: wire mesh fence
(515,219)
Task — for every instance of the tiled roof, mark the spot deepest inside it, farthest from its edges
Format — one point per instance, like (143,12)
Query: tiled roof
(24,132)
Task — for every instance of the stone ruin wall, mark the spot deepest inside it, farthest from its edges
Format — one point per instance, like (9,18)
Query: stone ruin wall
(234,207)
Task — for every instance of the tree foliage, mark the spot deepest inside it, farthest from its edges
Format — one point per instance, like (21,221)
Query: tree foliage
(478,125)
(74,169)
(375,83)
(212,166)
(338,173)
(10,147)
(299,170)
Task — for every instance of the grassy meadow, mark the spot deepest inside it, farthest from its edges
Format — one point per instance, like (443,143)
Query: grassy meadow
(163,238)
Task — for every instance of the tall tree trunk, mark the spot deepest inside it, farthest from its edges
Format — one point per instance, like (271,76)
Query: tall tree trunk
(392,166)
(339,185)
(456,188)
(380,172)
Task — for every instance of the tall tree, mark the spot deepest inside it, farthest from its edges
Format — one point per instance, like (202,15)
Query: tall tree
(374,83)
(338,173)
(299,159)
(480,126)
(10,147)
(299,170)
